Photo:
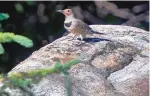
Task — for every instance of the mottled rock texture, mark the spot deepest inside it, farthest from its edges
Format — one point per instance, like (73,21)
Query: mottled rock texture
(113,64)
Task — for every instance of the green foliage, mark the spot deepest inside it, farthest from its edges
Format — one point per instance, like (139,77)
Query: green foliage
(1,49)
(18,82)
(10,37)
(30,3)
(3,16)
(19,8)
(70,63)
(23,79)
(6,37)
(24,41)
(67,82)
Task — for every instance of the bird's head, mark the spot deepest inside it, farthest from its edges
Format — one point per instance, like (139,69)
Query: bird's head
(66,12)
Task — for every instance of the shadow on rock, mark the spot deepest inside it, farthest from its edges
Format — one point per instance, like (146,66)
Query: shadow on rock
(94,39)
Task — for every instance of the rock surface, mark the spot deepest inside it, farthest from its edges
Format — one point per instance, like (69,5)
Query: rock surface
(114,64)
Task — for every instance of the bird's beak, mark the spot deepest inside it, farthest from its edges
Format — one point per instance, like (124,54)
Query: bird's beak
(61,11)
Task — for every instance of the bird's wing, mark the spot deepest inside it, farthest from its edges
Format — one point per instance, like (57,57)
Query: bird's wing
(80,24)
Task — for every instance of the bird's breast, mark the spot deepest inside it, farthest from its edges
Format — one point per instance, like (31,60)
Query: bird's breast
(75,27)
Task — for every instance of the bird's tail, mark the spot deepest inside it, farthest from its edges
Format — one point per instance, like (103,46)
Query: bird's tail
(95,32)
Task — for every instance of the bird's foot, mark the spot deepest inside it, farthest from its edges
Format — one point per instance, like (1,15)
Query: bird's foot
(81,38)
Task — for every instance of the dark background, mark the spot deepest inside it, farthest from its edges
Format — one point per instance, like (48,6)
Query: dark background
(40,22)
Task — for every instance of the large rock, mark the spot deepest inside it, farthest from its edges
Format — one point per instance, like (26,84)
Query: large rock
(114,64)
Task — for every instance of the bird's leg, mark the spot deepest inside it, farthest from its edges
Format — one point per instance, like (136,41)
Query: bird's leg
(81,37)
(74,37)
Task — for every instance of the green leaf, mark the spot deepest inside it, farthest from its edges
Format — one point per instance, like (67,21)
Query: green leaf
(3,16)
(23,83)
(1,49)
(44,73)
(6,37)
(70,63)
(58,66)
(19,8)
(24,41)
(30,3)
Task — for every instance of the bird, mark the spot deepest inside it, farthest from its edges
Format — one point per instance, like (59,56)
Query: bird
(76,26)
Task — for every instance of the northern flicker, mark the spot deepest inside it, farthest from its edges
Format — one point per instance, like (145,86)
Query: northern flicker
(76,26)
